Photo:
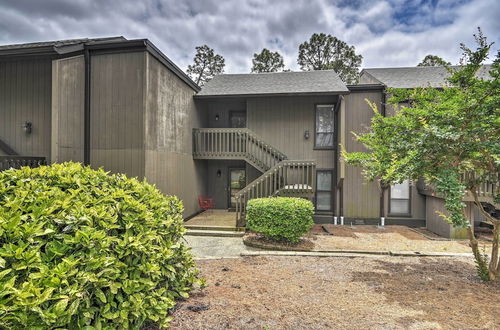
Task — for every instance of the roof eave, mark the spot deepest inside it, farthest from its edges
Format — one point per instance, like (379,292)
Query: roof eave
(215,96)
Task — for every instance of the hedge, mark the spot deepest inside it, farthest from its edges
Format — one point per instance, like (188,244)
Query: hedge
(80,248)
(280,218)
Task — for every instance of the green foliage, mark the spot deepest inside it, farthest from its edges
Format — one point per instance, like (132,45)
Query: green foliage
(84,249)
(442,135)
(326,52)
(481,261)
(280,218)
(433,60)
(206,65)
(267,61)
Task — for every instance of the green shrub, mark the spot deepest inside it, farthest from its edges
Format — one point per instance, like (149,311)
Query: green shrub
(81,248)
(280,218)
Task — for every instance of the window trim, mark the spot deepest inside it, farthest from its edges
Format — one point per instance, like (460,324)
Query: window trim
(334,106)
(332,191)
(406,215)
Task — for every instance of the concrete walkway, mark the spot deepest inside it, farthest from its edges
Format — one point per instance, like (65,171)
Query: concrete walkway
(206,247)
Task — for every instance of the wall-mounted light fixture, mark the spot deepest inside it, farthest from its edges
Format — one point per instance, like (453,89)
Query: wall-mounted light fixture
(27,126)
(306,135)
(216,117)
(219,173)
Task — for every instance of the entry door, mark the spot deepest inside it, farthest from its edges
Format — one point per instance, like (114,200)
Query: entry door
(237,119)
(237,181)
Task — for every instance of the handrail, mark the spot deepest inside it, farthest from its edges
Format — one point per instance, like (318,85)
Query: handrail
(8,162)
(216,143)
(290,177)
(485,191)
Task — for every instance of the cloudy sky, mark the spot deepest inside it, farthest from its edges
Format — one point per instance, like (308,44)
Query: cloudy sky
(385,32)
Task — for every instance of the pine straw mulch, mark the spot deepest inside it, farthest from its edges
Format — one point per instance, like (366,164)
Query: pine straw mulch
(326,293)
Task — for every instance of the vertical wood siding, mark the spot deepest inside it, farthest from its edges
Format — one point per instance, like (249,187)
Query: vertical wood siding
(25,95)
(282,121)
(117,82)
(361,198)
(170,117)
(68,96)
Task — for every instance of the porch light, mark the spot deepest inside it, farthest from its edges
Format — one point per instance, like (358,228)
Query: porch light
(216,117)
(306,135)
(27,126)
(219,173)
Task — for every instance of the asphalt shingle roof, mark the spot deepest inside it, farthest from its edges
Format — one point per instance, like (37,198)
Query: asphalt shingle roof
(59,43)
(304,82)
(420,76)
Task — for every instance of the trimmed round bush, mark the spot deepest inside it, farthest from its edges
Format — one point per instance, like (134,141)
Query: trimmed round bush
(280,218)
(82,248)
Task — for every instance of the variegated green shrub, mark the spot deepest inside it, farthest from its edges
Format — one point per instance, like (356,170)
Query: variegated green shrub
(82,248)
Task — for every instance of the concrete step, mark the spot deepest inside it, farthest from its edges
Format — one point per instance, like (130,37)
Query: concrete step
(214,233)
(214,228)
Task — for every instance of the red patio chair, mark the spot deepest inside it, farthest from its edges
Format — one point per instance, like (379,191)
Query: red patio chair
(206,203)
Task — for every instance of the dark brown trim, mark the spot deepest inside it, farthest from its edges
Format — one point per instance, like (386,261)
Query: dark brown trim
(402,215)
(335,111)
(86,115)
(332,191)
(365,87)
(269,95)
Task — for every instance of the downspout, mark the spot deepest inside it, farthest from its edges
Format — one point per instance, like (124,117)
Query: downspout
(383,187)
(339,184)
(86,120)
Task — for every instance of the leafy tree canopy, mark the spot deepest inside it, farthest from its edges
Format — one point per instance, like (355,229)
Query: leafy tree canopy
(267,61)
(207,64)
(326,52)
(433,60)
(450,137)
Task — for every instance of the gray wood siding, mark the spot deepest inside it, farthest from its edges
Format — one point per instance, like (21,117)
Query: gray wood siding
(170,117)
(25,95)
(361,198)
(282,121)
(117,83)
(68,96)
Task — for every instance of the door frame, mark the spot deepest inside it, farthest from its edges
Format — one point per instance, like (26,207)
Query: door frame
(228,190)
(236,111)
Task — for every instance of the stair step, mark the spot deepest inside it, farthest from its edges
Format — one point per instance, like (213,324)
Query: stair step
(214,228)
(214,233)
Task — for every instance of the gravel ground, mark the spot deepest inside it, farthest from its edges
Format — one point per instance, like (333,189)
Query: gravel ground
(392,238)
(333,293)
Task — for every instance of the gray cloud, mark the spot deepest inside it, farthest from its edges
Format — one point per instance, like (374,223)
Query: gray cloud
(385,32)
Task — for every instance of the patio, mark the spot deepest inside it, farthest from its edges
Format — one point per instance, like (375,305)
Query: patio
(213,218)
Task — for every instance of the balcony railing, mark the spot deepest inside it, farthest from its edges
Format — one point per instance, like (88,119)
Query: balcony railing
(8,162)
(235,143)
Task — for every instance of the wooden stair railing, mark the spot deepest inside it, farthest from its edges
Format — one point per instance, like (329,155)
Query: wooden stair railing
(235,143)
(8,162)
(7,149)
(486,191)
(287,178)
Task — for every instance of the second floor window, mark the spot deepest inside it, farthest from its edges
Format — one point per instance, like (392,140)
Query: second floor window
(325,120)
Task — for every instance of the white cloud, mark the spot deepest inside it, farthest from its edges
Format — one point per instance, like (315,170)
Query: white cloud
(385,32)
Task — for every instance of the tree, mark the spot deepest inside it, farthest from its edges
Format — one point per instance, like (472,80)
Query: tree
(326,52)
(267,61)
(433,60)
(206,65)
(449,137)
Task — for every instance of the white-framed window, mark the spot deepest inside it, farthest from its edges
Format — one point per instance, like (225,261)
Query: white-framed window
(399,198)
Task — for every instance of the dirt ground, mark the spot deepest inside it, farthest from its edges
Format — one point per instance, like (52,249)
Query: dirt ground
(392,238)
(340,293)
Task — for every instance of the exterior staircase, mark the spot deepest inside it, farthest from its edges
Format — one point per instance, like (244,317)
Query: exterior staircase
(280,176)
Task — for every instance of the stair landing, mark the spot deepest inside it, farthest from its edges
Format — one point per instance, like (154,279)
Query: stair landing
(213,220)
